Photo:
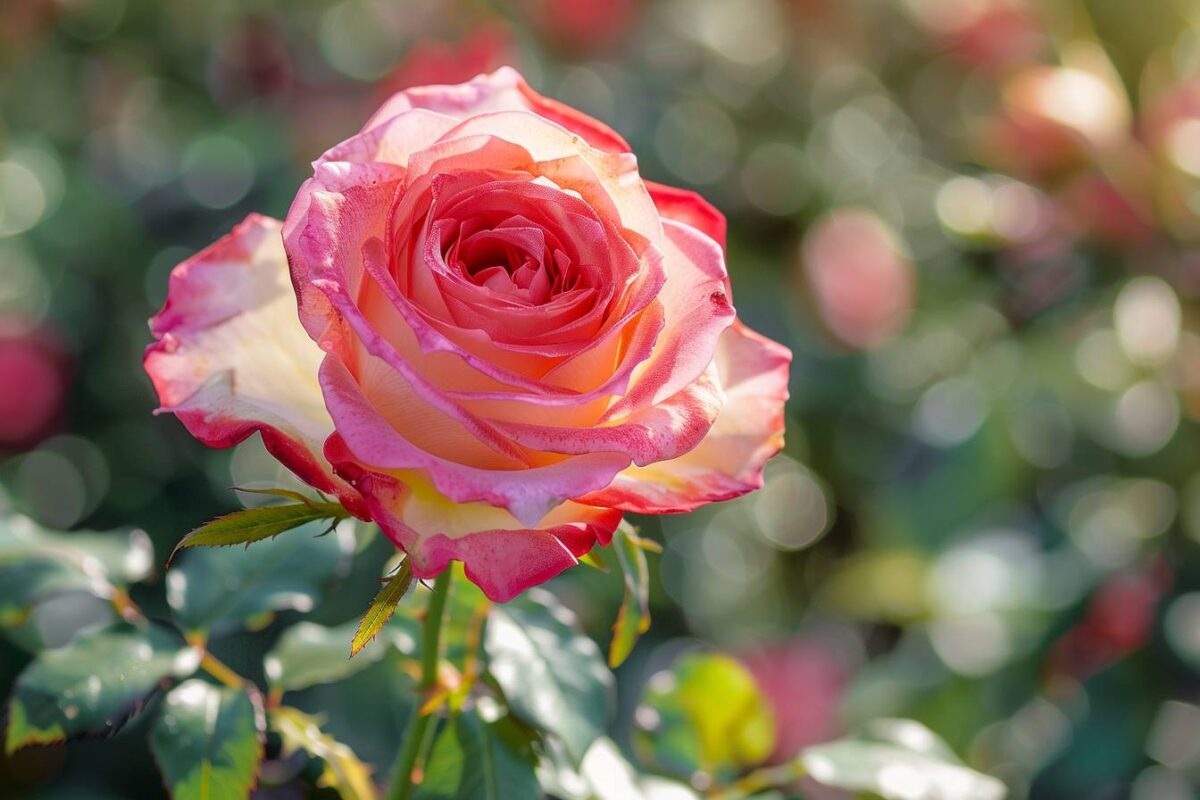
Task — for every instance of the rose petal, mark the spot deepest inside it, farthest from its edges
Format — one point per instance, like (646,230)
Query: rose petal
(393,141)
(231,357)
(553,147)
(529,494)
(698,310)
(500,554)
(657,433)
(729,461)
(502,90)
(313,241)
(688,207)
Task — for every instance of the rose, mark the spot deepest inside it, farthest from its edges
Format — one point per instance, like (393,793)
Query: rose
(506,337)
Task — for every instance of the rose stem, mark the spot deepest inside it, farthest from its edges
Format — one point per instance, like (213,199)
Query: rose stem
(414,735)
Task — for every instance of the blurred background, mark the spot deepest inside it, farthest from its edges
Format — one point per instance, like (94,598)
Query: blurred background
(976,223)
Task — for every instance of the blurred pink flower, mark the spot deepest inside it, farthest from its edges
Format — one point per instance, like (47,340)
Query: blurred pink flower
(993,35)
(486,47)
(1118,217)
(803,680)
(860,277)
(1054,121)
(33,374)
(1118,621)
(251,61)
(581,26)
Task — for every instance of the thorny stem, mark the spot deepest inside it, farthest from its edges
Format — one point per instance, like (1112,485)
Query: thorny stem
(414,736)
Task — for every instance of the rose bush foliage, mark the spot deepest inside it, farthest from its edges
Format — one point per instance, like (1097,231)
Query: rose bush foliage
(479,327)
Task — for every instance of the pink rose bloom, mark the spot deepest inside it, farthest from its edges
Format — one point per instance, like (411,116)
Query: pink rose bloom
(479,327)
(862,282)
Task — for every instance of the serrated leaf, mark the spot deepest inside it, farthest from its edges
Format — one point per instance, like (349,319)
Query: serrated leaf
(633,618)
(252,525)
(211,588)
(708,715)
(343,772)
(553,676)
(94,684)
(898,760)
(382,607)
(207,742)
(476,760)
(309,655)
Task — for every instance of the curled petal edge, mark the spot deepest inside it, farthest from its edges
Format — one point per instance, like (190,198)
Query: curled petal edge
(729,461)
(228,328)
(502,561)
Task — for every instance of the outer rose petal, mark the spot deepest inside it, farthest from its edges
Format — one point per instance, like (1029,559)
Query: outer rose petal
(688,207)
(502,90)
(729,462)
(231,357)
(529,495)
(499,554)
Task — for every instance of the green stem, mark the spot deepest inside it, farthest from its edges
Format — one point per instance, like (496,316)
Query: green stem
(414,735)
(759,780)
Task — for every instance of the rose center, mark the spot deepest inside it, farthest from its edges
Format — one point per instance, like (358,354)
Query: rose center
(512,257)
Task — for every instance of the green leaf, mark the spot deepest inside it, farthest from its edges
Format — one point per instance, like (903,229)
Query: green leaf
(633,619)
(476,760)
(212,588)
(207,742)
(93,684)
(552,675)
(705,714)
(28,581)
(308,655)
(380,612)
(122,557)
(898,760)
(264,522)
(36,564)
(605,774)
(343,772)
